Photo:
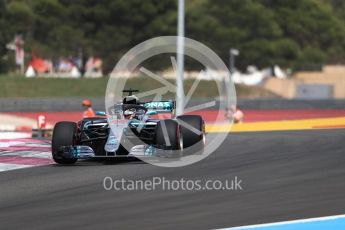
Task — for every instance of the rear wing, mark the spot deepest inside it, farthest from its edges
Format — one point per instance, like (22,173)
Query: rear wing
(160,106)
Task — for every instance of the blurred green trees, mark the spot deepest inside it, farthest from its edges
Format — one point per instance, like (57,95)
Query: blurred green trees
(289,33)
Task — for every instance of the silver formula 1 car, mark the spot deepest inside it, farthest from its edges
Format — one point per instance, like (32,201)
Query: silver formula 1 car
(132,129)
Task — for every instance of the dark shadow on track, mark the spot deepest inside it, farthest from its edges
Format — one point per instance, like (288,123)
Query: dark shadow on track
(103,161)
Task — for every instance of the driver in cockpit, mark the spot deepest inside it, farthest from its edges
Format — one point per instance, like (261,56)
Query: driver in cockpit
(130,112)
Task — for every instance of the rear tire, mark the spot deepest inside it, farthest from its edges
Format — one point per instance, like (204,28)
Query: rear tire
(64,134)
(172,135)
(191,138)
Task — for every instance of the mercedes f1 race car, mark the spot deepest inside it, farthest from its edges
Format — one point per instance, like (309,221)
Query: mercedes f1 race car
(131,129)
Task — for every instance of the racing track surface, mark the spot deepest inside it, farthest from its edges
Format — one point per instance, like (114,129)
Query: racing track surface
(286,175)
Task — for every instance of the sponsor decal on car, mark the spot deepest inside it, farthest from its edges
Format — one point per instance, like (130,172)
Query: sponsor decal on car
(165,105)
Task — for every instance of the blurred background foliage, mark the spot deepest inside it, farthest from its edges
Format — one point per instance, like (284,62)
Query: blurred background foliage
(291,33)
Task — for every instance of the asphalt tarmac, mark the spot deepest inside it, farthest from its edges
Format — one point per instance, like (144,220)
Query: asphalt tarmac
(284,176)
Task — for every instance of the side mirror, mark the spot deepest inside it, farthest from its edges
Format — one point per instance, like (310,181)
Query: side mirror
(100,113)
(151,112)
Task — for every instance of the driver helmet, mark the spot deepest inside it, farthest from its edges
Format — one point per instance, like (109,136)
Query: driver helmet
(129,113)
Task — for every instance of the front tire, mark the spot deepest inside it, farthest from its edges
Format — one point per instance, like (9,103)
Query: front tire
(192,129)
(64,134)
(168,135)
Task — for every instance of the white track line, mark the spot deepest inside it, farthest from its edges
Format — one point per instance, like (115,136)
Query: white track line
(289,222)
(8,167)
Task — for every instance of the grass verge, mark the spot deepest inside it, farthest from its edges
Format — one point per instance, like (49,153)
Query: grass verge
(18,86)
